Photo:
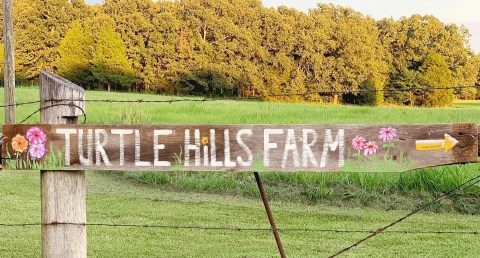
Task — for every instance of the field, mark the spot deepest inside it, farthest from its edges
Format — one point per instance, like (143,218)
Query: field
(328,201)
(247,112)
(114,199)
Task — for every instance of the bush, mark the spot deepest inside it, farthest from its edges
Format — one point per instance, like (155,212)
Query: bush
(371,94)
(438,98)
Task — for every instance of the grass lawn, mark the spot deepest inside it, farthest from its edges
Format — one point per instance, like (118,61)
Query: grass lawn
(219,200)
(116,199)
(466,104)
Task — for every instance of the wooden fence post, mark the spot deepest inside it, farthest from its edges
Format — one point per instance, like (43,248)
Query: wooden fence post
(63,193)
(9,62)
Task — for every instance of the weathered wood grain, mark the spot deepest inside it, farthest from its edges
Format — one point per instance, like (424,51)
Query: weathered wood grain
(478,126)
(282,148)
(57,90)
(63,193)
(9,61)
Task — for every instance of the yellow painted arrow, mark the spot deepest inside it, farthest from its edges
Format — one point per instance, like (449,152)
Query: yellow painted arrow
(447,144)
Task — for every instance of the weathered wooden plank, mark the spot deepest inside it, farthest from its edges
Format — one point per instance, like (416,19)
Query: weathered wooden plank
(63,193)
(282,148)
(478,126)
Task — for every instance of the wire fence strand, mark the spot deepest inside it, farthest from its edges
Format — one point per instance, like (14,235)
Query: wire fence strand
(209,228)
(57,105)
(372,233)
(205,99)
(467,184)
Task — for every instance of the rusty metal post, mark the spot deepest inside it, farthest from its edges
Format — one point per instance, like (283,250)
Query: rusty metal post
(269,214)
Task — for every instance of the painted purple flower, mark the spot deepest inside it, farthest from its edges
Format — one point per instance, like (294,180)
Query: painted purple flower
(35,135)
(37,150)
(387,134)
(358,143)
(370,148)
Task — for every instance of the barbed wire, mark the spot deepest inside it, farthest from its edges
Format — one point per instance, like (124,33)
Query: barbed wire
(57,105)
(467,184)
(464,186)
(21,103)
(208,228)
(38,110)
(205,99)
(394,90)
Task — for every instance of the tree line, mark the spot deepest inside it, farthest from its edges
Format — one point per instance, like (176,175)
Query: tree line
(241,48)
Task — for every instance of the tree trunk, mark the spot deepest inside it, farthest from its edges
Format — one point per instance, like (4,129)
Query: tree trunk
(335,99)
(411,98)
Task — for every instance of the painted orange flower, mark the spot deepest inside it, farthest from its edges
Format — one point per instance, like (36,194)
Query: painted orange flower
(19,143)
(204,140)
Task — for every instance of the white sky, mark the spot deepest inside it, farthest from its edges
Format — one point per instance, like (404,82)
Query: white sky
(466,12)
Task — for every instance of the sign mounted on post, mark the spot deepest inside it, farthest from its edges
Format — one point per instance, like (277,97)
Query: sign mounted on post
(276,148)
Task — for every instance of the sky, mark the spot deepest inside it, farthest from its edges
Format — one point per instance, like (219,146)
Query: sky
(466,12)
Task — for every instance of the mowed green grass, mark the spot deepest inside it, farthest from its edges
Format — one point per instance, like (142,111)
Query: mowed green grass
(208,199)
(114,199)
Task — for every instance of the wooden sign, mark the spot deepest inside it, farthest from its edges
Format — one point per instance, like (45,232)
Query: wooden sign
(287,148)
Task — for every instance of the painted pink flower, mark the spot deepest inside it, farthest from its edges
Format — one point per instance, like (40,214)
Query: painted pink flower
(387,134)
(370,148)
(358,143)
(37,150)
(35,135)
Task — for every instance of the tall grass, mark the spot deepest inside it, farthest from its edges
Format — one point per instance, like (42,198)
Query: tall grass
(247,112)
(440,179)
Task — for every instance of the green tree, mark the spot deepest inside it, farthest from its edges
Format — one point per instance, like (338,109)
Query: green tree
(135,25)
(467,72)
(409,41)
(352,54)
(372,94)
(75,53)
(206,81)
(459,56)
(216,38)
(276,45)
(110,66)
(435,74)
(39,27)
(303,52)
(239,47)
